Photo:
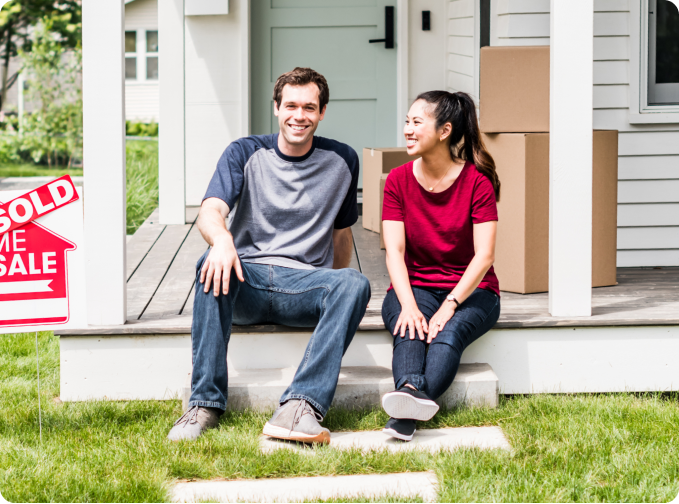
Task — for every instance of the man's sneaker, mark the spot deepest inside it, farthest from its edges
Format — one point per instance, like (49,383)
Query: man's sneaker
(296,420)
(408,403)
(400,428)
(192,423)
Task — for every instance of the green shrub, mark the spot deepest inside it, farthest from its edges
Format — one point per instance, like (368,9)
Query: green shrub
(141,129)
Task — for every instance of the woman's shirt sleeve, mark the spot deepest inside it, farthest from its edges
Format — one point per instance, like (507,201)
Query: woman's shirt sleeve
(484,206)
(392,206)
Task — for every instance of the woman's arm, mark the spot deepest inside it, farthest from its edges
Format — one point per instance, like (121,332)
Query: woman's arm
(395,242)
(484,256)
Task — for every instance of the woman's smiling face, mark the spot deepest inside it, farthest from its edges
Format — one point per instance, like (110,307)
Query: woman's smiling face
(420,129)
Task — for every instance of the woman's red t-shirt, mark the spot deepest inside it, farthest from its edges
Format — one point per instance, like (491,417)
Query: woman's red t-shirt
(438,226)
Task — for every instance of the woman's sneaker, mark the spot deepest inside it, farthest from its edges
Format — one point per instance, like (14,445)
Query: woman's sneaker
(408,403)
(400,428)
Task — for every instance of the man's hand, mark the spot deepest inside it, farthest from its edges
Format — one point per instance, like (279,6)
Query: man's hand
(223,256)
(218,264)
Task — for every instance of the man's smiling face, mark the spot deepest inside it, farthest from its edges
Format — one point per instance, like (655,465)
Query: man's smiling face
(298,117)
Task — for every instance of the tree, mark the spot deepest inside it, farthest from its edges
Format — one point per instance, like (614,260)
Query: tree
(16,19)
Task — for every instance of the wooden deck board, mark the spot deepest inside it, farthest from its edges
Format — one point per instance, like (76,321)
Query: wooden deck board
(372,263)
(171,295)
(142,241)
(147,278)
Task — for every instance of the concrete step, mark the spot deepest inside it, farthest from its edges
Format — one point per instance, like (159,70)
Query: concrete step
(358,387)
(428,440)
(365,486)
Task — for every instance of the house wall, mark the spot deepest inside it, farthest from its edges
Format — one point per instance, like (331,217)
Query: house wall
(214,108)
(461,50)
(426,49)
(141,98)
(648,187)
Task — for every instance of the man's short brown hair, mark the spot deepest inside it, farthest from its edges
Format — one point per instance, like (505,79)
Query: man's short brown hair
(300,77)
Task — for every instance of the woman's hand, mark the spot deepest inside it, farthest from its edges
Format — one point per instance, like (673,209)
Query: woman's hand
(440,318)
(411,318)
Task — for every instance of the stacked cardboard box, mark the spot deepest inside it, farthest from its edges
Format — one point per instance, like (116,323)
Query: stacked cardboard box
(514,119)
(377,163)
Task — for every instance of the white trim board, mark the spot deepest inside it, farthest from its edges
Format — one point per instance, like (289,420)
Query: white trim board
(581,359)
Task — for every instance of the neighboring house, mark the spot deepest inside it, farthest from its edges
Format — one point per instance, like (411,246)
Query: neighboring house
(141,60)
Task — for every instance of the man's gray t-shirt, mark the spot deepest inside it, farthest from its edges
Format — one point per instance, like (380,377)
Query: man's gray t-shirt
(283,208)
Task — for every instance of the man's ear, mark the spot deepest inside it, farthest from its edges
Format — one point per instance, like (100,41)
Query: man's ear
(275,108)
(325,107)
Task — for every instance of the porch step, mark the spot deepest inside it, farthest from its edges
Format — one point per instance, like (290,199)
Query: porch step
(358,387)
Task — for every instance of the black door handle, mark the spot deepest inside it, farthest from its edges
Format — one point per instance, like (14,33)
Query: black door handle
(388,28)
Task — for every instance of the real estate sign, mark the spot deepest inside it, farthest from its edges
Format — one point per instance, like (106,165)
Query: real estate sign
(42,278)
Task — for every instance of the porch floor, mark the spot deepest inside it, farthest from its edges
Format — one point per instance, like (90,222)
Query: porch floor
(161,266)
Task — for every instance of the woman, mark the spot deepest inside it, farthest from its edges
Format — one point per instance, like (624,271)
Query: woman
(440,222)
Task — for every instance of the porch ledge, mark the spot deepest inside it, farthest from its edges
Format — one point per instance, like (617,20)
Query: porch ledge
(182,324)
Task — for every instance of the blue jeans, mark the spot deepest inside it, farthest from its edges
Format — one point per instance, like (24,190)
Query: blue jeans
(432,368)
(332,300)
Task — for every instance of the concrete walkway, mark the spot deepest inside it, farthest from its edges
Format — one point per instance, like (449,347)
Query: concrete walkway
(424,485)
(430,440)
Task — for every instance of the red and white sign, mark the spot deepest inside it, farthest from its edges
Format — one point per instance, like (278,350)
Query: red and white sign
(42,281)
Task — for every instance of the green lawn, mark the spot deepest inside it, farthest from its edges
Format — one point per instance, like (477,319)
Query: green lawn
(583,448)
(142,179)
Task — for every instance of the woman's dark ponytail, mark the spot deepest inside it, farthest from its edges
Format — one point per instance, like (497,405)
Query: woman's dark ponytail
(465,140)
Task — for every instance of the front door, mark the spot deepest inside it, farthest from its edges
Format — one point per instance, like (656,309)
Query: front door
(330,36)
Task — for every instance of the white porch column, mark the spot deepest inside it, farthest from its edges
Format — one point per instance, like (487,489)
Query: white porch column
(104,160)
(171,142)
(570,158)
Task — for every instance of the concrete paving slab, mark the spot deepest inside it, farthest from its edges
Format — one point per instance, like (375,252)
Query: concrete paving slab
(424,485)
(430,440)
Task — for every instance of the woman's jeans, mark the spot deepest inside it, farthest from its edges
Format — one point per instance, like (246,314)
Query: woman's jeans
(432,370)
(334,301)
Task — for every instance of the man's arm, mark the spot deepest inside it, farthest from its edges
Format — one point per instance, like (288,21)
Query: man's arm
(223,255)
(343,243)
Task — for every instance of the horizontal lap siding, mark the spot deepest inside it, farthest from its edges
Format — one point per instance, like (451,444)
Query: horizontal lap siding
(648,170)
(142,102)
(460,59)
(141,15)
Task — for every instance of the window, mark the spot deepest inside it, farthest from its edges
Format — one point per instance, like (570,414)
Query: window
(130,55)
(152,55)
(141,55)
(663,52)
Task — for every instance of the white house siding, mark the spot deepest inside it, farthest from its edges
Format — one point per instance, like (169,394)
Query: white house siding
(141,98)
(427,66)
(648,189)
(141,102)
(214,106)
(462,52)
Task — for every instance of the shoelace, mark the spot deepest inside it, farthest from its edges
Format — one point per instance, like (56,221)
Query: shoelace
(191,416)
(306,409)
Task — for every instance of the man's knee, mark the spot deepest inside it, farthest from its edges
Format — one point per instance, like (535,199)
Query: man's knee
(351,281)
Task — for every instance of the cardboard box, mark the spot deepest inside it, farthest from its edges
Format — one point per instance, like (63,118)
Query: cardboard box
(522,249)
(378,162)
(514,89)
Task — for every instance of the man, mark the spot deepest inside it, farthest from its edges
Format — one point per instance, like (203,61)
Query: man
(290,199)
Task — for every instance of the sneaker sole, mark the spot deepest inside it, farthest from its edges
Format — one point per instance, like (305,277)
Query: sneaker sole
(398,435)
(403,405)
(283,433)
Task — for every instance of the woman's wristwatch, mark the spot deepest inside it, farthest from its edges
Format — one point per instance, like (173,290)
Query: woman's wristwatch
(450,297)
